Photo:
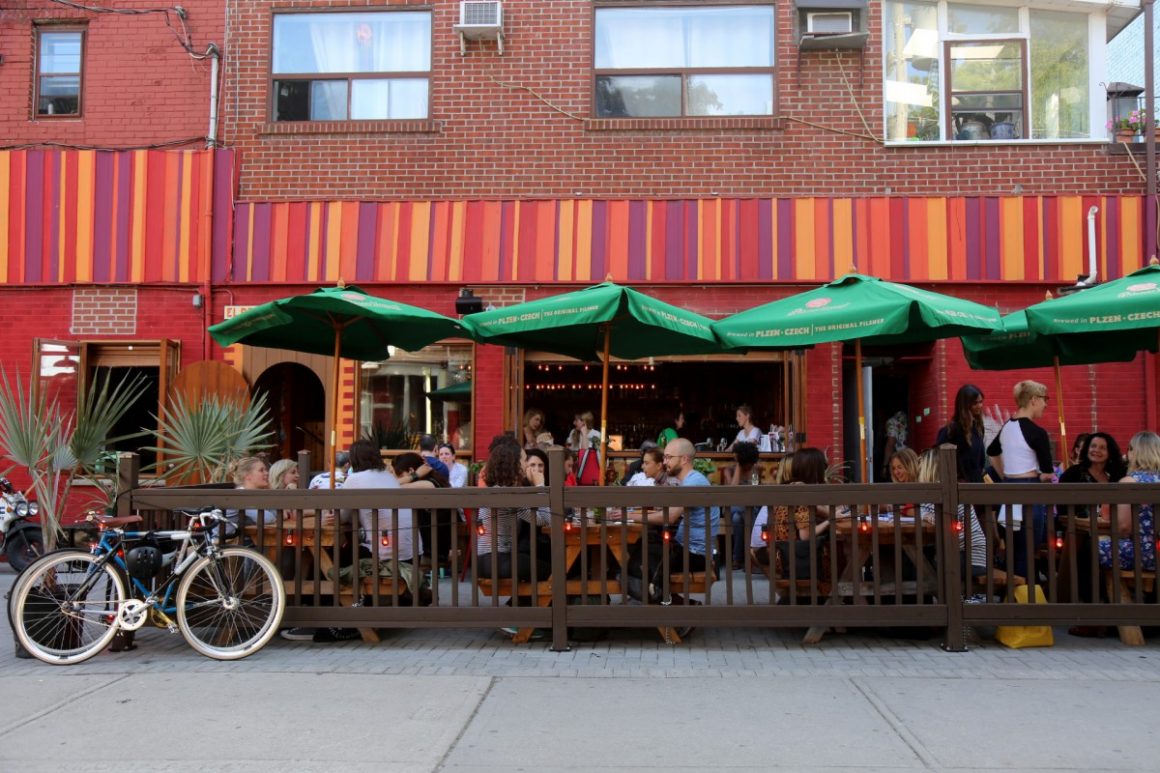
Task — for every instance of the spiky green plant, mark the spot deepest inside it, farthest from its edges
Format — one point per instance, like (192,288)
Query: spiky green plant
(199,440)
(55,446)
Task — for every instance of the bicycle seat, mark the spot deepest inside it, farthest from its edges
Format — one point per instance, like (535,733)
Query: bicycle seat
(112,523)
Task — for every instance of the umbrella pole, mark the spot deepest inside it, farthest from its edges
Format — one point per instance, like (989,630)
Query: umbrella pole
(861,410)
(332,462)
(604,403)
(1064,448)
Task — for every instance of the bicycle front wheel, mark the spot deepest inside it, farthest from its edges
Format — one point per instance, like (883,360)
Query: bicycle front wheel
(230,604)
(64,606)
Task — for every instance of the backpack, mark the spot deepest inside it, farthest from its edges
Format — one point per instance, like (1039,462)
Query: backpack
(588,468)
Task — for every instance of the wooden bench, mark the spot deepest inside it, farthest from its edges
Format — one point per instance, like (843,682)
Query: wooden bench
(1131,635)
(999,579)
(505,587)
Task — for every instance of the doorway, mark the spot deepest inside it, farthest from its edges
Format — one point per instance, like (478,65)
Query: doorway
(297,403)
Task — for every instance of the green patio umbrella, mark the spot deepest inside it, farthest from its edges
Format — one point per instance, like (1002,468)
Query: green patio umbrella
(341,321)
(1128,307)
(608,319)
(1016,346)
(861,309)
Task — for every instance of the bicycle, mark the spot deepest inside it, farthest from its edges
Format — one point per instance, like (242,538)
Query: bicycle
(228,601)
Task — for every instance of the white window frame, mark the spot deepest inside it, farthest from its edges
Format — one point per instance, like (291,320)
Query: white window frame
(273,77)
(1097,68)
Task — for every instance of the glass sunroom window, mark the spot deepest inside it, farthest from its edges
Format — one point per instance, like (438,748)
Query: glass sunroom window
(684,61)
(358,66)
(973,72)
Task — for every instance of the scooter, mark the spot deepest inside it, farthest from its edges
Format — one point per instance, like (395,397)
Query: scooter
(20,534)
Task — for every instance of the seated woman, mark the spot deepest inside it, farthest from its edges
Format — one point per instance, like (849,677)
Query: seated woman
(744,472)
(251,473)
(458,470)
(496,542)
(903,469)
(804,467)
(759,538)
(928,473)
(1143,467)
(1100,461)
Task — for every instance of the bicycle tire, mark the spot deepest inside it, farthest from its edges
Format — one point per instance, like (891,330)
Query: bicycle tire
(230,605)
(24,547)
(61,614)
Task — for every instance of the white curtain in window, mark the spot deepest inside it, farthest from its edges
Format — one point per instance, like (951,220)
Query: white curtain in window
(332,38)
(629,38)
(730,37)
(401,41)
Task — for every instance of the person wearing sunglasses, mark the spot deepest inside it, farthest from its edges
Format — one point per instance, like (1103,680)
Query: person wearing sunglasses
(1021,452)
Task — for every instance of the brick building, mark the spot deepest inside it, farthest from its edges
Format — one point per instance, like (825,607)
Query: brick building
(717,155)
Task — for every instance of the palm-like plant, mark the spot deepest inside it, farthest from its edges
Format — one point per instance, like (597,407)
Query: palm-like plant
(55,446)
(199,440)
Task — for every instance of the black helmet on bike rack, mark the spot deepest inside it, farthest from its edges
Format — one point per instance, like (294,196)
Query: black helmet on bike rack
(144,561)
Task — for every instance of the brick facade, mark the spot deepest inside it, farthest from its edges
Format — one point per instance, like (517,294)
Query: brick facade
(518,127)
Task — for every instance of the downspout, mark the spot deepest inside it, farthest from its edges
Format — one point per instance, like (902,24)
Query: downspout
(1093,259)
(214,54)
(1150,133)
(1150,214)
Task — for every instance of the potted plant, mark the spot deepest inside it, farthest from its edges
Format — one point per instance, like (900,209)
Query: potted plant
(1126,129)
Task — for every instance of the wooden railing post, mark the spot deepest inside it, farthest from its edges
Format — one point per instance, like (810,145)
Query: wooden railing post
(559,558)
(128,475)
(952,586)
(303,469)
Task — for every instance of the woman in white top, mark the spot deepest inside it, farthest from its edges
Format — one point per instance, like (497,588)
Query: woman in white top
(583,435)
(749,433)
(457,472)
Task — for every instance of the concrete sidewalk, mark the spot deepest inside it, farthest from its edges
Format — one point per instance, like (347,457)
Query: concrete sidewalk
(464,700)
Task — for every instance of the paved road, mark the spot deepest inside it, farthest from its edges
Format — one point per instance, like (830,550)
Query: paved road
(468,700)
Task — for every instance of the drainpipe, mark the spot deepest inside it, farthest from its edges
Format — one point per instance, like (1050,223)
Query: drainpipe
(1093,260)
(1150,136)
(214,55)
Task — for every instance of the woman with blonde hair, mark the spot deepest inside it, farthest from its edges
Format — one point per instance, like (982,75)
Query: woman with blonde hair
(583,435)
(533,427)
(284,474)
(251,473)
(1022,454)
(1143,467)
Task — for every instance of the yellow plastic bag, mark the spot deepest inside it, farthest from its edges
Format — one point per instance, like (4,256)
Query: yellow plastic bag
(1019,636)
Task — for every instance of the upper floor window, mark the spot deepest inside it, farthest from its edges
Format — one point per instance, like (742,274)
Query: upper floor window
(976,72)
(684,61)
(59,54)
(367,65)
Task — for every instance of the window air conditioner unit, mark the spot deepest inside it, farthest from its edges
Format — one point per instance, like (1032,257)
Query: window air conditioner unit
(480,20)
(830,23)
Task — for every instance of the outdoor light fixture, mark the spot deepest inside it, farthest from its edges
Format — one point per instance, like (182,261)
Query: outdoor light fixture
(197,300)
(467,303)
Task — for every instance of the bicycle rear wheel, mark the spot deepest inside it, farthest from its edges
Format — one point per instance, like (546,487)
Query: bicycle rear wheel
(64,606)
(230,605)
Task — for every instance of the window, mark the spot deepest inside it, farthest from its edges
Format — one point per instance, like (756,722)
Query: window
(684,61)
(987,90)
(351,66)
(59,54)
(415,392)
(978,72)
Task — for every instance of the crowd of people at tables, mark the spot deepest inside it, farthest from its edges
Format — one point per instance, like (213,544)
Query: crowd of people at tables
(1019,451)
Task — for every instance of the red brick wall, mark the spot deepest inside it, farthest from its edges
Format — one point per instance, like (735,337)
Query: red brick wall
(517,126)
(140,87)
